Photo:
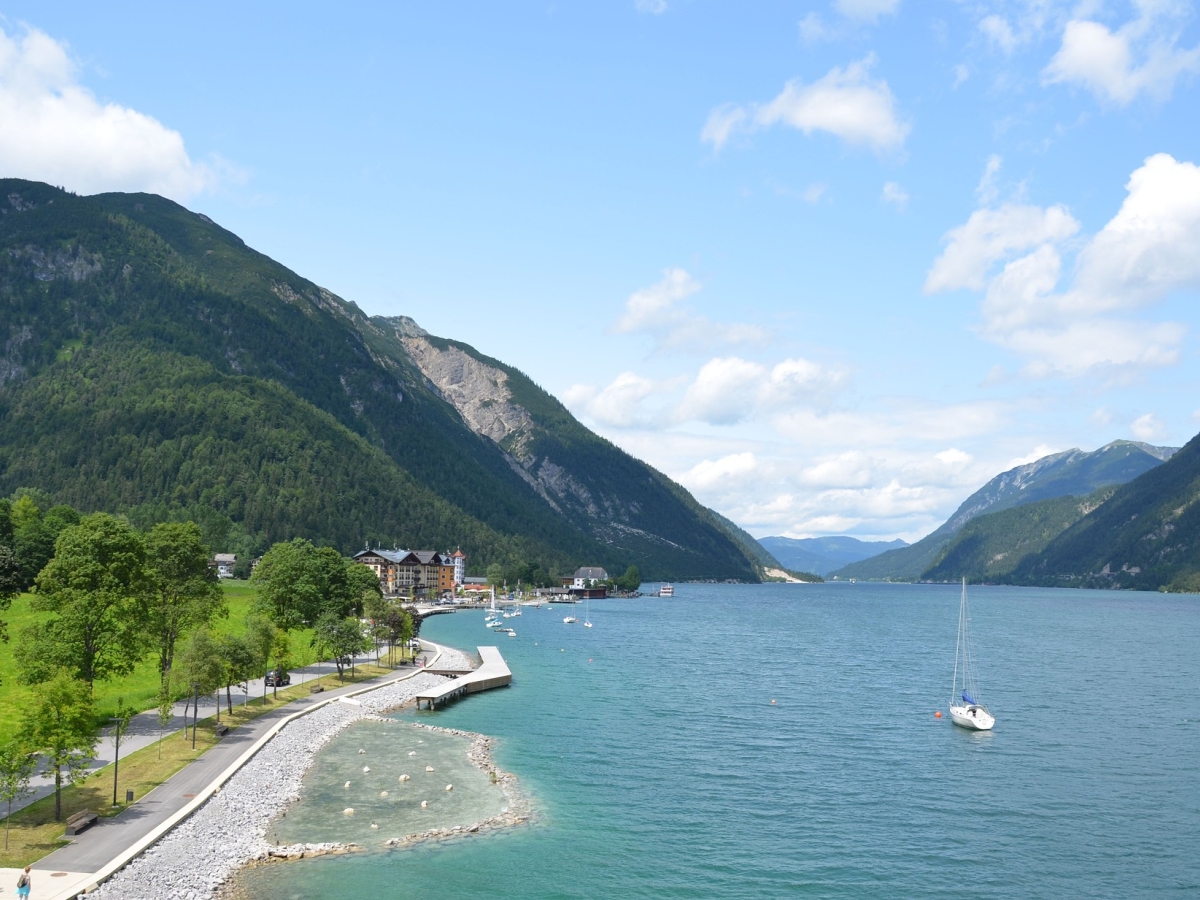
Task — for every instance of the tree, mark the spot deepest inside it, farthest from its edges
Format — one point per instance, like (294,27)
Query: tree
(120,723)
(10,584)
(241,664)
(339,636)
(200,670)
(96,587)
(630,581)
(298,582)
(398,626)
(185,593)
(17,766)
(281,654)
(495,574)
(35,532)
(63,726)
(166,711)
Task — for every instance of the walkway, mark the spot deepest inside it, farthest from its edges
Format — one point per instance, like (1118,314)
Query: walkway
(144,730)
(493,673)
(111,843)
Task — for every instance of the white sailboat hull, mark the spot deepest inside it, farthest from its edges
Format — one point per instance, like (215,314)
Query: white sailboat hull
(973,717)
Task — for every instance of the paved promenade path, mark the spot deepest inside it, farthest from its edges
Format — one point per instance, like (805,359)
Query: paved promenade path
(106,842)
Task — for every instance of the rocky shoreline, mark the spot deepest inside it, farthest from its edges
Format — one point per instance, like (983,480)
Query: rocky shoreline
(194,859)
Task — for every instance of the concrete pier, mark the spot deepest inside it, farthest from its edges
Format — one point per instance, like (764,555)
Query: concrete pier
(493,673)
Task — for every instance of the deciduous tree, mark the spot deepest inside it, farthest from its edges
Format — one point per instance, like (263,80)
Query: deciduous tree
(62,725)
(17,765)
(96,587)
(184,589)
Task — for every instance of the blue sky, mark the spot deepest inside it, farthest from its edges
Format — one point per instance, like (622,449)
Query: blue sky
(831,265)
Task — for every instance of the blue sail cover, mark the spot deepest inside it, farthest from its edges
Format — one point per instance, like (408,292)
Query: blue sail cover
(967,699)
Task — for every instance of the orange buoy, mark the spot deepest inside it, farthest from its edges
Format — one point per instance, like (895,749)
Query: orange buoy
(938,714)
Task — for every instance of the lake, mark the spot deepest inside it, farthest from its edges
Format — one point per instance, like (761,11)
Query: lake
(659,767)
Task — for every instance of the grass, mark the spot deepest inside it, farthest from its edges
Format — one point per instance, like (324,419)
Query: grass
(34,831)
(140,687)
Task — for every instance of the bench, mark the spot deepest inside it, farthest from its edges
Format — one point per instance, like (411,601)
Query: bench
(81,821)
(316,689)
(222,730)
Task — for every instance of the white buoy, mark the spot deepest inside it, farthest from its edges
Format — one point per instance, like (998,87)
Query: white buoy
(403,778)
(347,784)
(373,825)
(360,750)
(449,787)
(424,804)
(429,768)
(348,811)
(366,768)
(383,793)
(412,752)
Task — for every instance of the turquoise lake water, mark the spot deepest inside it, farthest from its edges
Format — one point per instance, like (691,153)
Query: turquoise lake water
(659,767)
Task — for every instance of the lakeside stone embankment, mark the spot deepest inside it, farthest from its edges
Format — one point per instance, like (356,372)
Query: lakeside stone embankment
(196,857)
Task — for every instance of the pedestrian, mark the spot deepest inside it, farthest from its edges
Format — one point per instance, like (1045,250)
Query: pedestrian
(24,883)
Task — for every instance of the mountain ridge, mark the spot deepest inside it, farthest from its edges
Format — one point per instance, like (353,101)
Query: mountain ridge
(89,279)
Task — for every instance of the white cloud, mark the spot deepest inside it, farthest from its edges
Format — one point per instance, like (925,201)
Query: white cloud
(728,471)
(1149,428)
(961,74)
(813,29)
(847,103)
(658,310)
(651,7)
(865,10)
(1146,251)
(990,235)
(728,390)
(1038,452)
(1117,66)
(813,193)
(986,190)
(997,30)
(618,404)
(721,123)
(895,195)
(55,130)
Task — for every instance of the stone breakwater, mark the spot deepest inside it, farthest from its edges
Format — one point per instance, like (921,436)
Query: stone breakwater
(196,857)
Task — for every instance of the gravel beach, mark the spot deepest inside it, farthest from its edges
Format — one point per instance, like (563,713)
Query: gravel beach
(198,855)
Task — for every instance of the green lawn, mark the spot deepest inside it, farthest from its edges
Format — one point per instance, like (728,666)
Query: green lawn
(139,688)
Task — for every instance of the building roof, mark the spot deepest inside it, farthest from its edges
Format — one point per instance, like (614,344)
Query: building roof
(225,557)
(594,572)
(405,557)
(458,554)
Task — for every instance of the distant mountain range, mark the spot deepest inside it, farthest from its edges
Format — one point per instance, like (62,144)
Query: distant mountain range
(1072,473)
(151,363)
(824,554)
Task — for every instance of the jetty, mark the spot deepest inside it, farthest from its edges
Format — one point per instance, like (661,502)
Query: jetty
(493,673)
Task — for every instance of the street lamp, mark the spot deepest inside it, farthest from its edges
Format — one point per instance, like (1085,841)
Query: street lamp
(195,710)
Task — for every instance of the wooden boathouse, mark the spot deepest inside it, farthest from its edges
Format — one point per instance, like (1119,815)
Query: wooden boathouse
(493,673)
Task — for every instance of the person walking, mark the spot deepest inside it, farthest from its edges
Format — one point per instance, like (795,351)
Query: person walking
(24,883)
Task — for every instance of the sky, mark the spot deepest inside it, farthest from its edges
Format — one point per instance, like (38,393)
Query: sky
(832,265)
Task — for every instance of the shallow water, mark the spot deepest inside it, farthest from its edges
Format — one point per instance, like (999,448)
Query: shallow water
(392,749)
(660,768)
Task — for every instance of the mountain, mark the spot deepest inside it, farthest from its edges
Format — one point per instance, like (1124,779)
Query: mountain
(1074,473)
(1145,537)
(153,363)
(990,547)
(824,554)
(747,542)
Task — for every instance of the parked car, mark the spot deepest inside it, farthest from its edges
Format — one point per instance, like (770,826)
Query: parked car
(278,678)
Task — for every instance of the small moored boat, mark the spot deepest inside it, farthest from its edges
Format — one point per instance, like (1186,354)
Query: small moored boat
(967,711)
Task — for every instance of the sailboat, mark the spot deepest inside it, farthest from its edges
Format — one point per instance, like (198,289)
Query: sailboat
(967,711)
(586,620)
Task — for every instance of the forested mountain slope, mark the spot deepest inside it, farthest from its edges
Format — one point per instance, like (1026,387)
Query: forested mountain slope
(990,547)
(1074,473)
(1146,536)
(153,361)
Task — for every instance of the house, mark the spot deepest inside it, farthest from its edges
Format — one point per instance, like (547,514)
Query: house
(460,566)
(588,581)
(471,585)
(409,573)
(223,563)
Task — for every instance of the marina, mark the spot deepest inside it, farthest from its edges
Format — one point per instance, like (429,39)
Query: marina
(492,673)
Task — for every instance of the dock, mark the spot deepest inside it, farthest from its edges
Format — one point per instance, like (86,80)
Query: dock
(493,673)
